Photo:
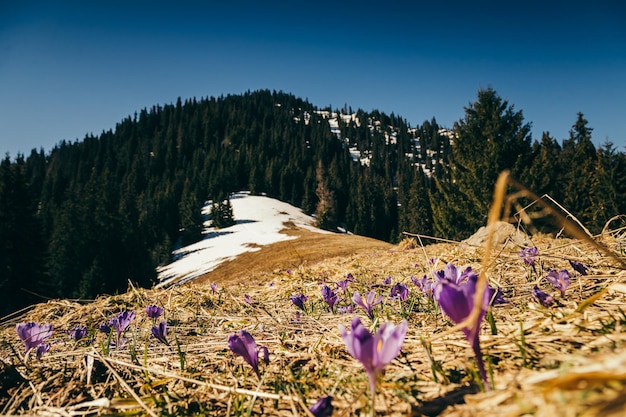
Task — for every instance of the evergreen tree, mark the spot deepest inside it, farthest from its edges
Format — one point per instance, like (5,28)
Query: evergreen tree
(326,206)
(608,186)
(491,138)
(21,245)
(544,168)
(221,214)
(577,164)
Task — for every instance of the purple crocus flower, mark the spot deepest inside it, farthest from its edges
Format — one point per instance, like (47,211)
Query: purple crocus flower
(154,312)
(424,284)
(298,300)
(323,407)
(121,322)
(559,280)
(346,310)
(42,348)
(529,255)
(160,332)
(247,299)
(496,296)
(343,284)
(399,291)
(213,287)
(544,299)
(33,334)
(374,351)
(387,281)
(457,302)
(454,274)
(329,296)
(78,333)
(244,345)
(369,302)
(579,267)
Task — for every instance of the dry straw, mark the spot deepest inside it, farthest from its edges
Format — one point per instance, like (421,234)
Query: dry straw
(567,360)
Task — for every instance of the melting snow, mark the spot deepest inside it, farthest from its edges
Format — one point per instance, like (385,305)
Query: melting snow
(259,220)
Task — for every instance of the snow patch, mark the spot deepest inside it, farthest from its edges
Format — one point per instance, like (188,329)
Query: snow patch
(259,220)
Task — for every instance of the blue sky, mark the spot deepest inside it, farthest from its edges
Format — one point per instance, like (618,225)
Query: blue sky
(73,68)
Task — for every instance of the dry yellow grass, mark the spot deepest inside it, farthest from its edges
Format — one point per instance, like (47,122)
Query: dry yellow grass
(568,360)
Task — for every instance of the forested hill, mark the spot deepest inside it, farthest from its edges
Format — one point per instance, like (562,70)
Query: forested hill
(88,216)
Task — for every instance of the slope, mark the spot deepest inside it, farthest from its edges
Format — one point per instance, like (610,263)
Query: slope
(268,234)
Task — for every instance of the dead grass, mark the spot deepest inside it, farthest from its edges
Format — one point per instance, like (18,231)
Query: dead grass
(563,361)
(309,248)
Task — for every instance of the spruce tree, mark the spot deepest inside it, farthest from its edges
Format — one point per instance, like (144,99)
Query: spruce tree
(492,137)
(577,164)
(221,214)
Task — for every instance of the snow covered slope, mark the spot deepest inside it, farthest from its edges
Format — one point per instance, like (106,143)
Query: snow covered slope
(259,220)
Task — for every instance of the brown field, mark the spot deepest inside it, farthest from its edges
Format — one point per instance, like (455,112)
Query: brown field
(309,248)
(567,360)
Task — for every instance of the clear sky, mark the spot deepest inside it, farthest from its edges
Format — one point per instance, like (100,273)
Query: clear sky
(68,69)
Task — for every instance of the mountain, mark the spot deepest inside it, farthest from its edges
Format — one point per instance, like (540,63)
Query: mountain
(90,215)
(135,193)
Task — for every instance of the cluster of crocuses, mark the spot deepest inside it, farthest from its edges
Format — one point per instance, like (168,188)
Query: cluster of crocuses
(367,301)
(559,280)
(34,334)
(243,344)
(452,288)
(121,322)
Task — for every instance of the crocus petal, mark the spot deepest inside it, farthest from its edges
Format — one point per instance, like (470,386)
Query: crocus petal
(154,311)
(399,290)
(41,349)
(559,280)
(388,341)
(452,273)
(160,332)
(266,354)
(33,334)
(368,303)
(323,407)
(298,300)
(358,300)
(544,299)
(244,345)
(579,267)
(528,255)
(453,301)
(78,333)
(374,351)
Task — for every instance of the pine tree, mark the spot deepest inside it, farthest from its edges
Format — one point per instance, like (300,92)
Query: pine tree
(491,138)
(577,164)
(544,168)
(21,245)
(221,214)
(326,206)
(608,186)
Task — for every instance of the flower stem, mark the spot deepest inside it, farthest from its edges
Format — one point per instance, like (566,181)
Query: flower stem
(480,363)
(373,393)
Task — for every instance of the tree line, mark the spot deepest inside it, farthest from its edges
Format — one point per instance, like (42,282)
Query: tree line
(90,215)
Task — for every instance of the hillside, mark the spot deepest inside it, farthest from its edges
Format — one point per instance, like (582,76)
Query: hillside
(564,359)
(134,193)
(267,234)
